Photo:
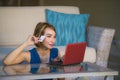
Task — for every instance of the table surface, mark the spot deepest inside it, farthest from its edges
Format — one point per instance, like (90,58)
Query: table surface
(45,71)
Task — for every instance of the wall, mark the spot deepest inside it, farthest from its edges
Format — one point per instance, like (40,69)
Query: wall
(104,13)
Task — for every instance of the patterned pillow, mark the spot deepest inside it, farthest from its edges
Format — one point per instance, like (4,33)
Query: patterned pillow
(70,28)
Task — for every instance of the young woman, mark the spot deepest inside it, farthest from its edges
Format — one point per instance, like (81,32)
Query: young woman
(42,53)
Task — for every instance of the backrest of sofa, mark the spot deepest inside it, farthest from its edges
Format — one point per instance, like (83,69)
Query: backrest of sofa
(17,23)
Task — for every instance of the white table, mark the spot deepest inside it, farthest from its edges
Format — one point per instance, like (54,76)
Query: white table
(45,71)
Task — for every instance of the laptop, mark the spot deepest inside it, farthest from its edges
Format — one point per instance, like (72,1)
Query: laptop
(74,54)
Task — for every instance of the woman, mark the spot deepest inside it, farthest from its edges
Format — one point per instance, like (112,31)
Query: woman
(44,51)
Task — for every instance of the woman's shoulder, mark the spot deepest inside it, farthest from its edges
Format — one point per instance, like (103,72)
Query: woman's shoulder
(33,50)
(54,52)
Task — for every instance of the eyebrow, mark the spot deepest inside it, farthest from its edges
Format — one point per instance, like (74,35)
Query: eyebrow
(50,34)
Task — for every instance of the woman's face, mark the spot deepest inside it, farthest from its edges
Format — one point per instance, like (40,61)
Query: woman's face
(50,38)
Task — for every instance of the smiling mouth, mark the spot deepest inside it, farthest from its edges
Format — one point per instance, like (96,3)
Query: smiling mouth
(51,45)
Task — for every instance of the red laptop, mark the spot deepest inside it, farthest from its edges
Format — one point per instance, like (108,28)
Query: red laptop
(74,54)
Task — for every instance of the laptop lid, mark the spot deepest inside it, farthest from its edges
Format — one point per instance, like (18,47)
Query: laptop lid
(74,53)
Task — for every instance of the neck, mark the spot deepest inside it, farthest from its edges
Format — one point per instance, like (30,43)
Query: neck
(43,50)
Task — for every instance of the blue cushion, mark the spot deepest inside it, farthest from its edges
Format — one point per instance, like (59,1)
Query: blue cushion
(70,28)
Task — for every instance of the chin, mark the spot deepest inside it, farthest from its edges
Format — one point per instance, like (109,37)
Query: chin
(50,47)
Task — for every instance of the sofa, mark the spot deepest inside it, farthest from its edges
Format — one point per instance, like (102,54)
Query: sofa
(17,23)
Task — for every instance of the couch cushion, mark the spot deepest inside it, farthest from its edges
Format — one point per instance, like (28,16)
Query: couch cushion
(100,38)
(70,28)
(90,53)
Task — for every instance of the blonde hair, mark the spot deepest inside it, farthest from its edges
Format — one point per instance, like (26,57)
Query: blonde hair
(40,30)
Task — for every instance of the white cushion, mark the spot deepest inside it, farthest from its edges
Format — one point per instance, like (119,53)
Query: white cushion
(90,53)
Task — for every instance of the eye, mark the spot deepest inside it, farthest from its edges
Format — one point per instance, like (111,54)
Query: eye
(49,36)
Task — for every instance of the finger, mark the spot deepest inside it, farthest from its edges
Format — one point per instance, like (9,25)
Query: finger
(35,39)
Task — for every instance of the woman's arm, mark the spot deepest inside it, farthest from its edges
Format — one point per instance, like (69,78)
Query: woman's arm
(17,55)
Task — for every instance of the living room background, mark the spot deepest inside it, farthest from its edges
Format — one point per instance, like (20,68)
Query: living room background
(103,13)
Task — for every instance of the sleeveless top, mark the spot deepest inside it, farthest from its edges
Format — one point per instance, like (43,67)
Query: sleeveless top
(35,58)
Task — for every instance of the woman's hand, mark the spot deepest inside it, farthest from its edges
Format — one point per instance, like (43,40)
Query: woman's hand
(32,40)
(58,58)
